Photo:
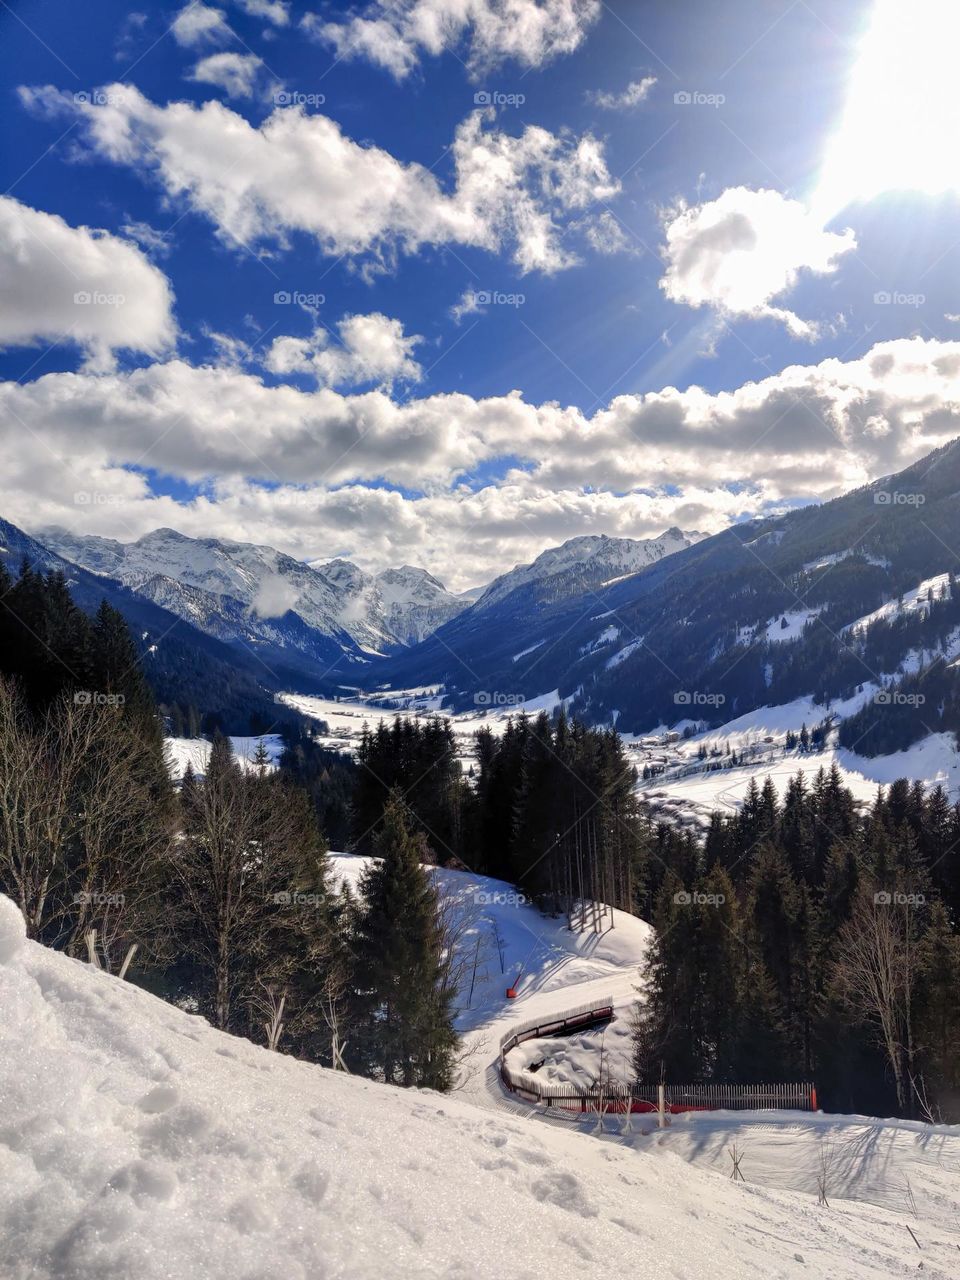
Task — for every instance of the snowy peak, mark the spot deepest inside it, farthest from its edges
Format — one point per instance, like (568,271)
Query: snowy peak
(589,561)
(236,588)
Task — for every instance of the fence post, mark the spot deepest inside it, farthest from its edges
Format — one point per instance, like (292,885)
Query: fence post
(661,1106)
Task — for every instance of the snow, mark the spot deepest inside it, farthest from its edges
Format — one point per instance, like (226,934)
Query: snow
(913,602)
(607,636)
(345,718)
(179,752)
(796,619)
(691,789)
(623,654)
(139,1142)
(13,930)
(605,559)
(523,652)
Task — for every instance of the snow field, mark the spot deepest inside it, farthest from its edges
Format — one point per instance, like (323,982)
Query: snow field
(136,1141)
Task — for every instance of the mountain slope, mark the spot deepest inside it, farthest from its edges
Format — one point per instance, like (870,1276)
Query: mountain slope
(583,563)
(183,664)
(241,591)
(761,613)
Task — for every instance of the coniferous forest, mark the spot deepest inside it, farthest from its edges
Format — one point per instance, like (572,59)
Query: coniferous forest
(800,938)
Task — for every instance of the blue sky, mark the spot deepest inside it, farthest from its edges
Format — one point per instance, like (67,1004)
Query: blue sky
(574,202)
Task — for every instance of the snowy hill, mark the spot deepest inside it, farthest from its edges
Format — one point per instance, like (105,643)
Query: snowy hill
(137,1141)
(237,590)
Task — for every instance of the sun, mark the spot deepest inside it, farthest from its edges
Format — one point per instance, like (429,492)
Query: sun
(900,130)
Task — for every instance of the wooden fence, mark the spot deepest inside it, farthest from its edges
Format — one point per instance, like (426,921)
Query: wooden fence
(617,1098)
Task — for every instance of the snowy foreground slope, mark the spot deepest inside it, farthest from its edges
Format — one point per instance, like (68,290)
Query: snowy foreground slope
(136,1142)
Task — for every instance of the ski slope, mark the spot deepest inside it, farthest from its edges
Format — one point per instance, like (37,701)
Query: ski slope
(138,1142)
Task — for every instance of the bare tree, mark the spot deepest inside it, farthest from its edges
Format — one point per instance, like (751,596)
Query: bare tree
(875,975)
(85,829)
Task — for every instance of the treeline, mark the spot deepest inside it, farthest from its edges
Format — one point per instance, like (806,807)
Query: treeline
(548,806)
(808,940)
(216,896)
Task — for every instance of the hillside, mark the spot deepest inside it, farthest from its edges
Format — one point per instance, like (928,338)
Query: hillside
(801,604)
(140,1142)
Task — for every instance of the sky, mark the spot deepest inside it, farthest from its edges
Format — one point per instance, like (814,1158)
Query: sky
(446,282)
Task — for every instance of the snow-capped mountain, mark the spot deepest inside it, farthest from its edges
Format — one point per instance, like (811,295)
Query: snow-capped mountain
(580,564)
(258,594)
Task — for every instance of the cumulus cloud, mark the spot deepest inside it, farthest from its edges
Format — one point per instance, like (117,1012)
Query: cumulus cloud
(60,283)
(395,34)
(293,468)
(235,73)
(637,91)
(199,24)
(275,11)
(371,350)
(739,252)
(300,172)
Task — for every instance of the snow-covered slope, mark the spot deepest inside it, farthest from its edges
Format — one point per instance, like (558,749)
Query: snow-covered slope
(587,562)
(238,589)
(179,752)
(135,1141)
(690,788)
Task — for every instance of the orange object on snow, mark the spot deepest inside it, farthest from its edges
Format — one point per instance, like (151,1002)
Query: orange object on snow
(511,993)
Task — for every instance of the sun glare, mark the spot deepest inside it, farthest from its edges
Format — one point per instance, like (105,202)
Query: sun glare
(901,125)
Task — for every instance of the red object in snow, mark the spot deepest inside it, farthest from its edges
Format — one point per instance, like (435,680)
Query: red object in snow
(511,993)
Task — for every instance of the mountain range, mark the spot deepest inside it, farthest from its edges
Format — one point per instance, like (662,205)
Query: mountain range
(852,599)
(809,602)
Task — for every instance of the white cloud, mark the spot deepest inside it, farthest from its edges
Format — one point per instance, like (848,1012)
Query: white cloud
(394,34)
(299,172)
(293,466)
(637,91)
(198,24)
(274,597)
(739,252)
(235,73)
(372,350)
(606,234)
(77,285)
(275,11)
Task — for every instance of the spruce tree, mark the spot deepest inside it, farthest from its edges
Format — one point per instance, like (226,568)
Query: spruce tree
(404,1029)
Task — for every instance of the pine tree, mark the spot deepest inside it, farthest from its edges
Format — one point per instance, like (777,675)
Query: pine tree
(404,1029)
